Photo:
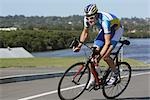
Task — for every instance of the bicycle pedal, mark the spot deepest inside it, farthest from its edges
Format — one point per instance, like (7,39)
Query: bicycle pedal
(96,87)
(91,89)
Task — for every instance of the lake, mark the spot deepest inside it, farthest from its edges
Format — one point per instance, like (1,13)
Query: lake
(138,49)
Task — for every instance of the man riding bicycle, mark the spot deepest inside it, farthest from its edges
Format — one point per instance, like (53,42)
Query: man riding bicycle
(110,31)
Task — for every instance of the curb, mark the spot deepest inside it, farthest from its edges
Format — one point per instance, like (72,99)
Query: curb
(29,77)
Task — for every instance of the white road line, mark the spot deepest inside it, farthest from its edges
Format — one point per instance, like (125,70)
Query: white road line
(141,73)
(51,92)
(55,91)
(39,95)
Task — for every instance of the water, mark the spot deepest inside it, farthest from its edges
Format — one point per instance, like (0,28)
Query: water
(138,49)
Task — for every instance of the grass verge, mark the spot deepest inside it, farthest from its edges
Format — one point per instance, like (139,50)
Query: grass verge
(55,62)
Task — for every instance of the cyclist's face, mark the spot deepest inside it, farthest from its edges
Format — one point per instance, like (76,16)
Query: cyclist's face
(91,19)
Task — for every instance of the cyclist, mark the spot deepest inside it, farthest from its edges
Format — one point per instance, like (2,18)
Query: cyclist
(110,31)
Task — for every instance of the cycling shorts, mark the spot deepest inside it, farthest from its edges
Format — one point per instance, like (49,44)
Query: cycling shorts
(116,35)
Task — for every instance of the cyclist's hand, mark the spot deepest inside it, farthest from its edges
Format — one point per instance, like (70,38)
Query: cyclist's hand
(76,49)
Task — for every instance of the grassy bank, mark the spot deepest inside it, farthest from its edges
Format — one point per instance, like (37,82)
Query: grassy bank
(54,62)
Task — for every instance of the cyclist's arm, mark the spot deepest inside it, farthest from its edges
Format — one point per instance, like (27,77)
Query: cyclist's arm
(83,36)
(107,38)
(85,32)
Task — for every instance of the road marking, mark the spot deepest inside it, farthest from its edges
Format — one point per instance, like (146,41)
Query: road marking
(141,74)
(55,91)
(39,95)
(51,92)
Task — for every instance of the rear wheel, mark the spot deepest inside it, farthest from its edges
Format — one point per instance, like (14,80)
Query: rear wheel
(113,91)
(74,81)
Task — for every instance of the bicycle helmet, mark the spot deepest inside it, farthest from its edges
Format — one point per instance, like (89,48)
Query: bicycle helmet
(90,10)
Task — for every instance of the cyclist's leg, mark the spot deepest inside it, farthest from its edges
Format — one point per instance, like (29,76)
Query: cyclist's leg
(110,62)
(98,42)
(117,35)
(108,59)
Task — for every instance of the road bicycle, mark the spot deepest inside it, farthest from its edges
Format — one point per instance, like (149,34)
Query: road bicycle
(76,78)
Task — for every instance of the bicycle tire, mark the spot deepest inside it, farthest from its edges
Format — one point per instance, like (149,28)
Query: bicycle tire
(69,89)
(125,76)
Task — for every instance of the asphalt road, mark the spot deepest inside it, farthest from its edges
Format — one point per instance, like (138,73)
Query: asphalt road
(46,89)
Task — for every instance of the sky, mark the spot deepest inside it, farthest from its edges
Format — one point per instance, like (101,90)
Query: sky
(121,8)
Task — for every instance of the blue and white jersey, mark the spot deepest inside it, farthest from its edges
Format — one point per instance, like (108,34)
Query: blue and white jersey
(105,21)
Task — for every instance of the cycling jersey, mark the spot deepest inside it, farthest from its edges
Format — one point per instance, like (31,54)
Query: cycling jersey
(105,21)
(107,24)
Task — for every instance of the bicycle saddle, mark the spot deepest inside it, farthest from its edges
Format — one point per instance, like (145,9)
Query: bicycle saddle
(125,42)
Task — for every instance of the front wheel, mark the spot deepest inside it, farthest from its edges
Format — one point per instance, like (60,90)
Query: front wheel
(113,91)
(74,81)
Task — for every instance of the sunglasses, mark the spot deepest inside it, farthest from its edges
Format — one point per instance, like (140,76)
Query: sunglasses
(90,18)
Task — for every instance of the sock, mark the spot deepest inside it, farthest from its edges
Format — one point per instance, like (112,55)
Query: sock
(92,78)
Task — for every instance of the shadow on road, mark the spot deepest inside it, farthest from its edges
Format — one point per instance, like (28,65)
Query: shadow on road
(129,98)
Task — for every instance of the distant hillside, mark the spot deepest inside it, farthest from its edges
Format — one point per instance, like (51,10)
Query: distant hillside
(51,23)
(134,27)
(38,33)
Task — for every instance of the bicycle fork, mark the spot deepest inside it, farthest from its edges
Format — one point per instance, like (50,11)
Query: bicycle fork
(80,71)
